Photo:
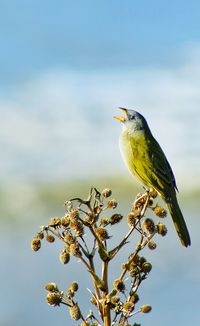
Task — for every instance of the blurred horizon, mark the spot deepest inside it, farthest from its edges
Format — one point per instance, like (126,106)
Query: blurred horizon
(51,124)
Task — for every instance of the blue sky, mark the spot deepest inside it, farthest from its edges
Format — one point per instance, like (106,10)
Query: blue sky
(38,35)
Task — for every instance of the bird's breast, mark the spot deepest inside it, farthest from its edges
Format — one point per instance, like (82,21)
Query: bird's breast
(132,149)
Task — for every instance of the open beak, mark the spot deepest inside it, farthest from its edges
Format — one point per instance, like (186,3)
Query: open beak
(118,117)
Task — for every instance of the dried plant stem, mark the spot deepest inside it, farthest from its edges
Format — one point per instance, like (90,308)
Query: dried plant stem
(106,308)
(116,303)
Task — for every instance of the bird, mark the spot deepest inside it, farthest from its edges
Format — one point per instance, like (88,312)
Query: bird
(146,160)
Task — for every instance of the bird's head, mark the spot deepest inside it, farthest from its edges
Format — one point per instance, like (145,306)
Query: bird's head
(133,120)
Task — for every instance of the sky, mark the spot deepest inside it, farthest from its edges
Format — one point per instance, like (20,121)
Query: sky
(66,67)
(88,35)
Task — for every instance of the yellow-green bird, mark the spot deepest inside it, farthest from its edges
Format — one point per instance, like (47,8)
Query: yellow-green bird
(146,160)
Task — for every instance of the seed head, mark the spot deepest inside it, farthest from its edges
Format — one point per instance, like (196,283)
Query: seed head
(69,238)
(131,219)
(161,229)
(74,250)
(145,308)
(152,245)
(104,221)
(106,193)
(112,203)
(160,211)
(75,312)
(73,215)
(115,218)
(40,235)
(102,233)
(50,238)
(65,221)
(64,257)
(89,218)
(36,244)
(77,226)
(55,222)
(146,267)
(119,285)
(149,225)
(54,298)
(74,286)
(51,287)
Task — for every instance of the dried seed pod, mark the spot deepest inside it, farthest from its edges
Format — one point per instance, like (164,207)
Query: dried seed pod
(51,287)
(112,203)
(115,218)
(149,225)
(131,219)
(74,250)
(65,221)
(119,285)
(50,238)
(64,257)
(152,245)
(104,221)
(159,211)
(55,222)
(73,214)
(102,233)
(78,228)
(36,244)
(106,193)
(40,235)
(75,312)
(161,229)
(146,267)
(89,217)
(146,308)
(54,298)
(69,238)
(74,286)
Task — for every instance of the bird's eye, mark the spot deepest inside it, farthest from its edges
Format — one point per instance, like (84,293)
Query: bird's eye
(132,117)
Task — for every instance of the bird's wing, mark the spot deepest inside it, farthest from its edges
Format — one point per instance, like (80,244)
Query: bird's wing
(161,164)
(151,165)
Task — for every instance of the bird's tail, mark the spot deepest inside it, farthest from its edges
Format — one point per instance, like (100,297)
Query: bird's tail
(179,222)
